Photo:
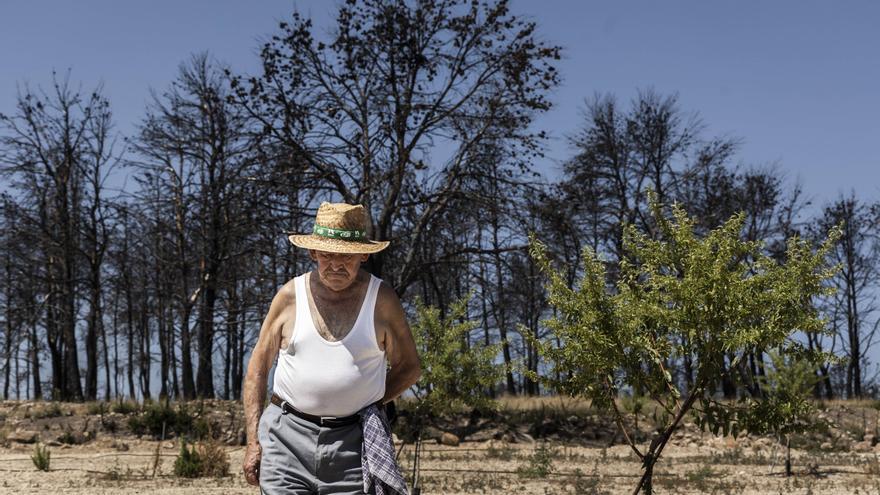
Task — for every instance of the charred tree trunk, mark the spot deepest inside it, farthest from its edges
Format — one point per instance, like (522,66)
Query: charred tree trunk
(92,331)
(205,379)
(35,361)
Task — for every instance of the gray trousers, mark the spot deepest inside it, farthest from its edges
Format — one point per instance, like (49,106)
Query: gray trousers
(300,457)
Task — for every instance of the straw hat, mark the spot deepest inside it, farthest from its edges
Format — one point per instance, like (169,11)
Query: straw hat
(339,228)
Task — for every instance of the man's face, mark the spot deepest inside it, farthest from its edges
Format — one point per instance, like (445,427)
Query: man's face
(337,271)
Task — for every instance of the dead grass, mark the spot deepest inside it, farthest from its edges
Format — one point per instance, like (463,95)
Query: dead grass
(746,465)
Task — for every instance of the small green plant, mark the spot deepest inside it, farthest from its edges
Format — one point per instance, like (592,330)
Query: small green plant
(69,438)
(634,404)
(589,484)
(188,464)
(124,407)
(215,461)
(733,455)
(99,408)
(202,429)
(454,374)
(700,478)
(539,464)
(110,425)
(206,459)
(41,457)
(786,409)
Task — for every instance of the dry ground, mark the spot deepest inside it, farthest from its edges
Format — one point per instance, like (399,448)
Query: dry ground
(719,466)
(695,463)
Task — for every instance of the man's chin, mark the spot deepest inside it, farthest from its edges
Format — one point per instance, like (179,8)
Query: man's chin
(337,281)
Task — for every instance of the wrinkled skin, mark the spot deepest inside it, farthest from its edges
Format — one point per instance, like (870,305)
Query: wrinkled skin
(336,274)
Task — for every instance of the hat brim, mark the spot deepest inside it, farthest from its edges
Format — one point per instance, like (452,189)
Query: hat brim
(312,241)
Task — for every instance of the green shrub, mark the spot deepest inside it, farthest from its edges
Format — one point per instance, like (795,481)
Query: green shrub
(215,462)
(97,408)
(539,464)
(588,484)
(701,478)
(110,425)
(156,416)
(454,375)
(188,464)
(41,457)
(69,438)
(136,425)
(124,407)
(205,459)
(202,429)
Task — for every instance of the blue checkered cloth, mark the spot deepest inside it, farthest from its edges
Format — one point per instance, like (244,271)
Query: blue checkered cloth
(378,459)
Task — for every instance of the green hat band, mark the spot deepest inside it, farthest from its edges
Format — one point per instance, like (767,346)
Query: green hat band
(348,235)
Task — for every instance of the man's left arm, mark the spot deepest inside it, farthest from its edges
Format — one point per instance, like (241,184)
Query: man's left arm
(400,347)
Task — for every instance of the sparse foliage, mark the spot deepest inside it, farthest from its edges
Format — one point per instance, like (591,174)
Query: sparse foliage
(539,464)
(455,371)
(681,294)
(206,459)
(41,457)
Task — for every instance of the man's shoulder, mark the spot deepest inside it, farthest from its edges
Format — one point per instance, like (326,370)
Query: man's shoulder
(287,292)
(387,300)
(386,291)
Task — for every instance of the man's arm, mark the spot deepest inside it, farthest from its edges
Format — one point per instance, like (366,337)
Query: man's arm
(256,381)
(400,347)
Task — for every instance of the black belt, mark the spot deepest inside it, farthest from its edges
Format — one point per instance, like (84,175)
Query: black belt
(328,421)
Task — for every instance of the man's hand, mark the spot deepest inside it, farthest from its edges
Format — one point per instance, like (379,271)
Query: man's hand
(252,463)
(283,308)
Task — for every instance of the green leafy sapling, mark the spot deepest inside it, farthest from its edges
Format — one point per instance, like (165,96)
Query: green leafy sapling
(679,295)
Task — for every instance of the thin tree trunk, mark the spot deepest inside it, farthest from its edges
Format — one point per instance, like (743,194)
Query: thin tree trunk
(7,354)
(91,341)
(106,353)
(116,345)
(144,350)
(499,307)
(132,391)
(35,357)
(205,378)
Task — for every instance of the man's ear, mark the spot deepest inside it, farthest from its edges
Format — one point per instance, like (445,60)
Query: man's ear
(365,257)
(312,255)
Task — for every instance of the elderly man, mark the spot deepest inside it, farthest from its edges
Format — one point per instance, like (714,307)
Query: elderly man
(332,329)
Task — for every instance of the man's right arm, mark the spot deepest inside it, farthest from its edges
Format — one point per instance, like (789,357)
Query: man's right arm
(263,356)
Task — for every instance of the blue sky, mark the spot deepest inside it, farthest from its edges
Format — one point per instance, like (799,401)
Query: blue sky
(795,80)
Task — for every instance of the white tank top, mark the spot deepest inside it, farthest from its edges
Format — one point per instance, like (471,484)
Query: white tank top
(327,378)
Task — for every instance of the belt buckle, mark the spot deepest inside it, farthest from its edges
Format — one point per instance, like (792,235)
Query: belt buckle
(323,418)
